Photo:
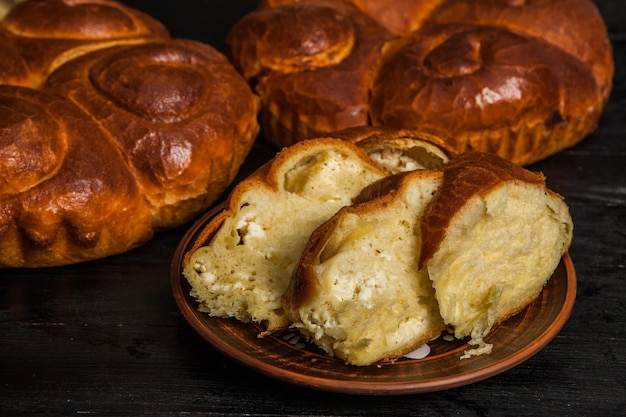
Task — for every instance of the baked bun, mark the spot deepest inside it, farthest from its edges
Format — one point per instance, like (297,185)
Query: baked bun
(307,63)
(521,79)
(357,291)
(152,130)
(244,262)
(493,236)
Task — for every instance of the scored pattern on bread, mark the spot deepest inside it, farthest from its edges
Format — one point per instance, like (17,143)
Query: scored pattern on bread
(495,234)
(254,245)
(357,291)
(523,79)
(154,130)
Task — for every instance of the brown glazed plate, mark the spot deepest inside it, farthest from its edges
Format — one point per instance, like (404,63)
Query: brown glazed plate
(280,357)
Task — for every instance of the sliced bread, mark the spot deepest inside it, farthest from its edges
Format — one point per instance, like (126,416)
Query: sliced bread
(357,292)
(495,234)
(253,245)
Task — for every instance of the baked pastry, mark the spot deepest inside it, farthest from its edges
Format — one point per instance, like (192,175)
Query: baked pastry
(307,63)
(357,291)
(114,131)
(493,236)
(164,104)
(523,80)
(67,196)
(244,261)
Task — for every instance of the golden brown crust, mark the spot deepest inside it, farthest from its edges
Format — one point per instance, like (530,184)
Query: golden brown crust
(522,79)
(168,117)
(398,16)
(486,89)
(329,90)
(62,206)
(574,26)
(383,187)
(50,32)
(170,122)
(466,177)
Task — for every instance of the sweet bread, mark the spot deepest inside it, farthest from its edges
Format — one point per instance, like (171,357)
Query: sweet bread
(110,130)
(523,79)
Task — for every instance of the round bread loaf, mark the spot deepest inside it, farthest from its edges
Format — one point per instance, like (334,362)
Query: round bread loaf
(522,79)
(109,130)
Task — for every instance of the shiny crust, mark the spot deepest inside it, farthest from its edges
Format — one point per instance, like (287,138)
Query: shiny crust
(183,144)
(63,205)
(45,40)
(328,90)
(397,16)
(523,79)
(467,177)
(153,129)
(487,89)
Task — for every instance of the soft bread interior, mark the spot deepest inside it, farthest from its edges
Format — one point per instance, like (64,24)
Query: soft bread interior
(498,253)
(245,269)
(364,298)
(405,155)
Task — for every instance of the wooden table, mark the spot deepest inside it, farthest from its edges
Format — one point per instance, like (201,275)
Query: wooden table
(107,338)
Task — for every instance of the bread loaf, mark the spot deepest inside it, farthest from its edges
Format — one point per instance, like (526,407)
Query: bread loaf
(357,291)
(244,265)
(493,236)
(109,131)
(522,79)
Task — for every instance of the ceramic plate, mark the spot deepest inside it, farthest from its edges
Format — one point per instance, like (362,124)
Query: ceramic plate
(284,357)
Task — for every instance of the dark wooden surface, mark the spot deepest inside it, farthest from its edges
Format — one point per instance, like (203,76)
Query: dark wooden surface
(106,337)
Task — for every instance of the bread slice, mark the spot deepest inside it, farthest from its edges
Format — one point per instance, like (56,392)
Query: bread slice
(495,236)
(254,245)
(357,292)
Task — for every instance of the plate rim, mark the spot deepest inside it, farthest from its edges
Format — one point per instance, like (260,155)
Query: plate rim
(192,314)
